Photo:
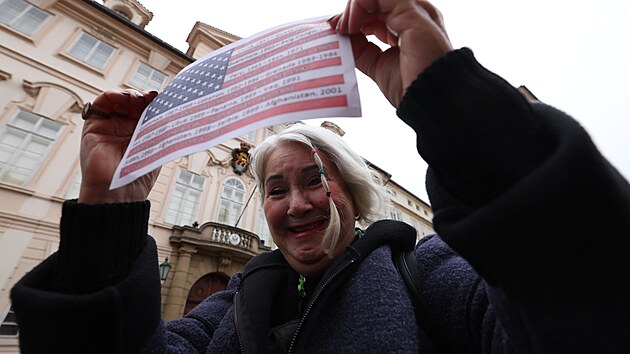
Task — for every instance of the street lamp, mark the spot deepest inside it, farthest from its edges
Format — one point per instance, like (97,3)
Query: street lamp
(165,267)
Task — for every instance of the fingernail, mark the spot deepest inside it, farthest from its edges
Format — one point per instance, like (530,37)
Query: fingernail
(348,27)
(339,22)
(392,31)
(153,92)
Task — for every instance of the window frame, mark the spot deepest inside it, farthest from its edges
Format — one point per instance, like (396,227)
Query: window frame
(261,224)
(230,203)
(76,39)
(24,13)
(74,187)
(188,188)
(8,323)
(250,137)
(144,87)
(28,135)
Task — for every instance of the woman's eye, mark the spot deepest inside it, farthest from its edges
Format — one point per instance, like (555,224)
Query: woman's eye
(315,181)
(276,192)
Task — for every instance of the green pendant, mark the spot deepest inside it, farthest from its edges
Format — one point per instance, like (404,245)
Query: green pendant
(301,289)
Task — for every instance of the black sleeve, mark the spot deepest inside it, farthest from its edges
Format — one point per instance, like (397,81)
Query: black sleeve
(99,244)
(100,293)
(521,192)
(509,179)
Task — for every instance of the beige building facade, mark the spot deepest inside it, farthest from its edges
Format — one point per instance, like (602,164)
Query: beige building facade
(206,218)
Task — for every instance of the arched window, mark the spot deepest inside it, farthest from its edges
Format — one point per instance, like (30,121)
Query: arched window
(124,12)
(232,200)
(184,203)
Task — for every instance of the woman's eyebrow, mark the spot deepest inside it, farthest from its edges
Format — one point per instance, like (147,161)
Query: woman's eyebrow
(305,170)
(273,177)
(310,168)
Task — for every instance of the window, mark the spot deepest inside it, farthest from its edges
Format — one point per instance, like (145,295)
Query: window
(73,191)
(9,325)
(250,136)
(231,204)
(147,79)
(184,203)
(123,13)
(262,229)
(414,223)
(22,16)
(91,50)
(395,214)
(24,142)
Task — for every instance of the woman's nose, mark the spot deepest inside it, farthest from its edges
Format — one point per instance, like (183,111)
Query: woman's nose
(299,204)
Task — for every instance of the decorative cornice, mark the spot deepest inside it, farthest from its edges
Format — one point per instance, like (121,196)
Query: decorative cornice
(5,75)
(50,70)
(32,88)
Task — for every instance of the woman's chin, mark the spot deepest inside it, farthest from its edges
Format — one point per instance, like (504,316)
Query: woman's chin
(309,256)
(310,263)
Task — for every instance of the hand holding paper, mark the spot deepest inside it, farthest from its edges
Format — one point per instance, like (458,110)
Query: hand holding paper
(107,130)
(288,73)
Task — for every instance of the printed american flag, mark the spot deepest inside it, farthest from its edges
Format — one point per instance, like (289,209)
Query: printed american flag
(292,72)
(190,84)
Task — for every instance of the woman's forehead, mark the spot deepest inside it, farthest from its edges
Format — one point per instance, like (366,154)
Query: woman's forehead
(294,158)
(285,157)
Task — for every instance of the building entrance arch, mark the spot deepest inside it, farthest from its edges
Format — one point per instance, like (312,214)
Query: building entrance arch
(204,287)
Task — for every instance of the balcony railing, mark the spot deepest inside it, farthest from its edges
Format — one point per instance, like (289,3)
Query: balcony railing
(219,235)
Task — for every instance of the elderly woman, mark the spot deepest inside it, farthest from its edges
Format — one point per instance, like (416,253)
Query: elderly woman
(517,267)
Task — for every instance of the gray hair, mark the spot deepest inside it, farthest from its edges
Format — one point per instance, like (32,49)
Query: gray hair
(363,183)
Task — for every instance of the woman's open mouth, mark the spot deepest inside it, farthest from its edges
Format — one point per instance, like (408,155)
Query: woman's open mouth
(306,230)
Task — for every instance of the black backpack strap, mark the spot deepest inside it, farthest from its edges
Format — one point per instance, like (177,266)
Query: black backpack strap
(405,262)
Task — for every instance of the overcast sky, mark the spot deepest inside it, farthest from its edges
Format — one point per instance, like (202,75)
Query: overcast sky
(573,55)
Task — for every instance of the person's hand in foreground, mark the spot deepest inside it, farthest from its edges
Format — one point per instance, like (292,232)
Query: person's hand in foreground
(107,130)
(414,30)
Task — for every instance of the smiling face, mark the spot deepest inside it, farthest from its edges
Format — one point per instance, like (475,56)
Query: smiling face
(297,208)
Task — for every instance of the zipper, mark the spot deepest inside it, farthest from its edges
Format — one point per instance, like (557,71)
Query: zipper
(238,333)
(308,309)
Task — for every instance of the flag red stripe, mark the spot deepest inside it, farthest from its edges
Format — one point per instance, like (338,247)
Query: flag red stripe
(263,44)
(294,88)
(328,102)
(256,38)
(306,52)
(231,69)
(220,100)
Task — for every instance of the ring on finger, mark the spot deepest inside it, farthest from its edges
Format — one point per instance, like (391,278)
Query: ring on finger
(87,111)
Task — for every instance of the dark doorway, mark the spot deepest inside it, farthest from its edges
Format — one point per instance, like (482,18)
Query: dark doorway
(204,287)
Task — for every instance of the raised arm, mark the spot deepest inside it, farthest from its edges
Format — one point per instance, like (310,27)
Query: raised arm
(100,292)
(518,189)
